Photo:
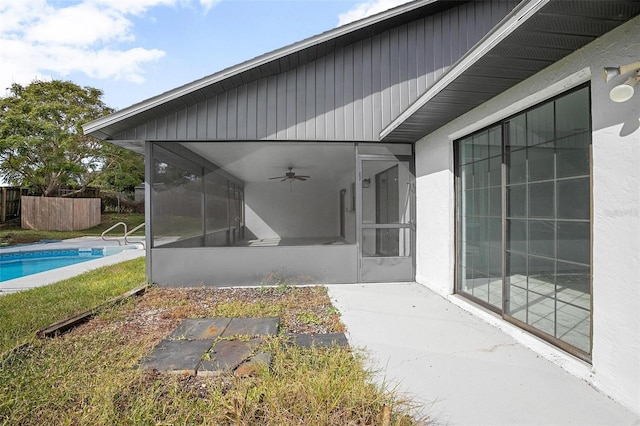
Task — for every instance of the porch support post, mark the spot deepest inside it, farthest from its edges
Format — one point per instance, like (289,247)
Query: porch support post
(148,186)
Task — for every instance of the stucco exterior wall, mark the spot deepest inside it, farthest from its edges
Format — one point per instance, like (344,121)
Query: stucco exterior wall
(615,368)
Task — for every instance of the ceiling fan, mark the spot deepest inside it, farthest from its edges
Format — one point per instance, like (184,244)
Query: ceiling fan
(291,176)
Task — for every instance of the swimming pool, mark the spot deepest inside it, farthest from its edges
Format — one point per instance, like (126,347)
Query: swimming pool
(22,263)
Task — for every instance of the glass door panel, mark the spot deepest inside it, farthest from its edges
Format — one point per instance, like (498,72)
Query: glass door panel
(479,216)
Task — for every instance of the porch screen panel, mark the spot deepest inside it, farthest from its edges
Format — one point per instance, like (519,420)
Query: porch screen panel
(176,205)
(217,202)
(480,215)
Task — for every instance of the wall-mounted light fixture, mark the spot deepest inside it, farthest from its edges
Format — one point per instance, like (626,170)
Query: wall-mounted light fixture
(366,182)
(622,92)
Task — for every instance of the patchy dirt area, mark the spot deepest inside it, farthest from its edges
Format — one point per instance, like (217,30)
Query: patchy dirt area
(91,374)
(159,311)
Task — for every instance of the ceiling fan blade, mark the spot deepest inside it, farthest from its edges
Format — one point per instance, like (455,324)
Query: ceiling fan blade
(290,175)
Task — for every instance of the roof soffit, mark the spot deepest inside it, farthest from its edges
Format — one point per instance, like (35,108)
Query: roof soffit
(548,32)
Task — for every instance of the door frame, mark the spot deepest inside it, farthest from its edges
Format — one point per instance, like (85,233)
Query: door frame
(409,160)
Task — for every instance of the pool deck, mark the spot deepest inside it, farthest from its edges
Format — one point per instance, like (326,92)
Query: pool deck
(131,251)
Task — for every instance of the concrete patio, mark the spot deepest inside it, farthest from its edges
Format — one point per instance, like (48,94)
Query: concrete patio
(464,370)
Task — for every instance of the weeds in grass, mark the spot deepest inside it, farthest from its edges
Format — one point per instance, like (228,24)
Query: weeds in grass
(91,375)
(21,314)
(309,318)
(93,379)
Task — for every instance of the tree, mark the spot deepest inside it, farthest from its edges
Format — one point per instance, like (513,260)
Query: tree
(43,147)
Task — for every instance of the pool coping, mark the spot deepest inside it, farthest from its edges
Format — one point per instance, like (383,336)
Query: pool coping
(132,251)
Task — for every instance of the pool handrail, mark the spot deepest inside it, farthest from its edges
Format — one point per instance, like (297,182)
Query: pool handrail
(126,235)
(116,238)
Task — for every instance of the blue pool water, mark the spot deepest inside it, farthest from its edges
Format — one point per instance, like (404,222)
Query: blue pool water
(19,264)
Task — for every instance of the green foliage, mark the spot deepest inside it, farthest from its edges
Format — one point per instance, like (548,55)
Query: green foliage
(43,147)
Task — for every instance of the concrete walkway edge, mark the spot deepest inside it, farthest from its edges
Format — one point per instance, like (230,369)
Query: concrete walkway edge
(466,368)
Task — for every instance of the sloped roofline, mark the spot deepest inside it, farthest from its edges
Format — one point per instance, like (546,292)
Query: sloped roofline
(522,12)
(186,89)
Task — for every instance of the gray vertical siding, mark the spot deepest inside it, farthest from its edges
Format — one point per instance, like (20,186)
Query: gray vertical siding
(350,94)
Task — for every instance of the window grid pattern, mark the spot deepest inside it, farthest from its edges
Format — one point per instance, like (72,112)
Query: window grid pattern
(480,166)
(547,222)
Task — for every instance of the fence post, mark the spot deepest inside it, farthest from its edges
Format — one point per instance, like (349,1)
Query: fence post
(3,207)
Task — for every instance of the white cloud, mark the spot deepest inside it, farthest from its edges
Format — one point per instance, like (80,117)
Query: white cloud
(80,25)
(367,8)
(208,4)
(41,38)
(131,7)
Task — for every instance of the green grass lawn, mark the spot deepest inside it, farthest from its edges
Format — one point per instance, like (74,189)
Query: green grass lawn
(90,375)
(11,235)
(22,313)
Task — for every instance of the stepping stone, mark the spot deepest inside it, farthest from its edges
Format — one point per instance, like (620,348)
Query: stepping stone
(226,355)
(200,329)
(177,356)
(253,365)
(252,327)
(319,340)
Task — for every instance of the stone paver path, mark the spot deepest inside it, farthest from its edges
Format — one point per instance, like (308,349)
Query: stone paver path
(213,346)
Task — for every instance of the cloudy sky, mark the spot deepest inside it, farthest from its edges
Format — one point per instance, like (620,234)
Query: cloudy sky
(135,49)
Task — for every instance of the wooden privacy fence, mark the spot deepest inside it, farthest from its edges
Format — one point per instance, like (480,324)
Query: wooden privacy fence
(60,214)
(10,202)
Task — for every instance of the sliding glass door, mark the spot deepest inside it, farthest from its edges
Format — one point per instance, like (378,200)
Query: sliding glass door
(480,216)
(527,230)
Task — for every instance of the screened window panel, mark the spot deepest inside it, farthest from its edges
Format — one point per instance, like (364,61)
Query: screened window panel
(176,200)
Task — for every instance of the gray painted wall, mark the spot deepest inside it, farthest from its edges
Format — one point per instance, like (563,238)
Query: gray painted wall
(350,94)
(243,266)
